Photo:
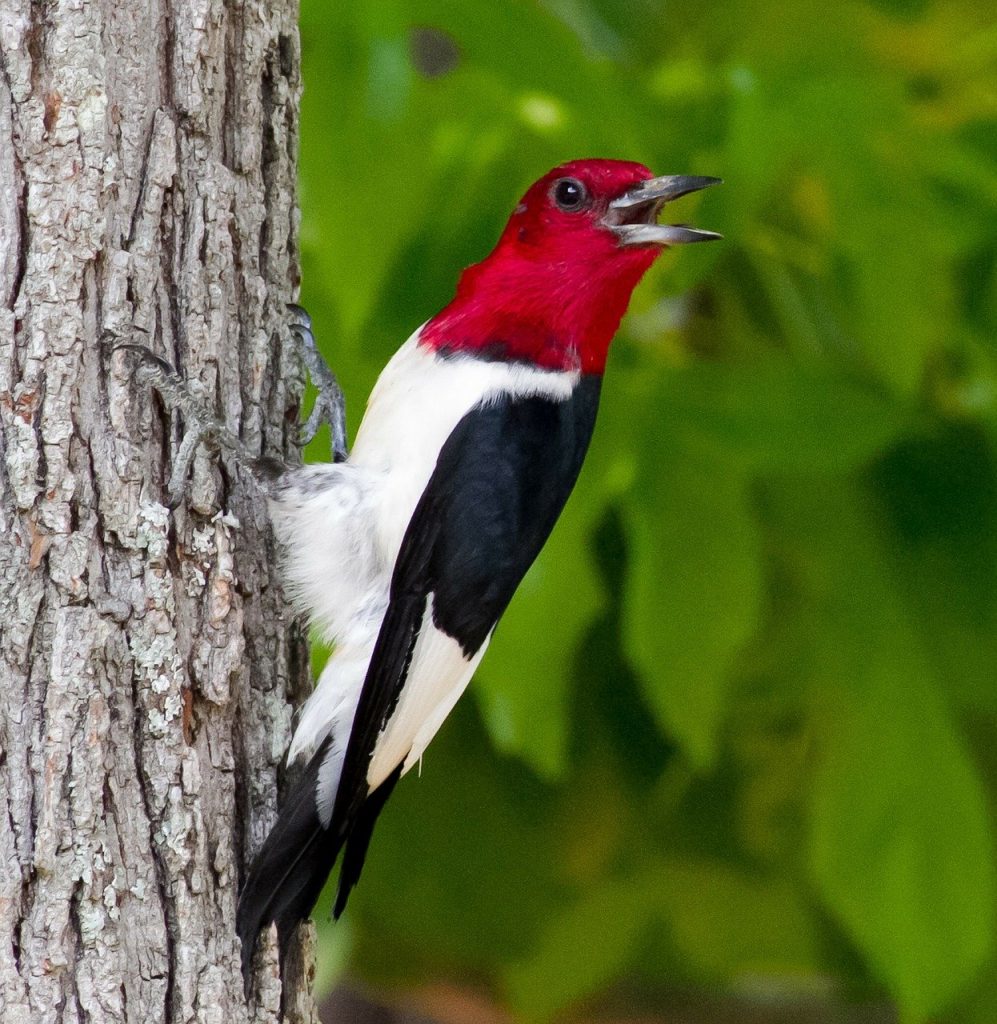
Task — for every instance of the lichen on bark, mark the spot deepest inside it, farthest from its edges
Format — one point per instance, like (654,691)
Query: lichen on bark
(148,662)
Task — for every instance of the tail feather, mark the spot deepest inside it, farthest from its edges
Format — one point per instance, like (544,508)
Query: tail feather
(297,857)
(289,871)
(358,840)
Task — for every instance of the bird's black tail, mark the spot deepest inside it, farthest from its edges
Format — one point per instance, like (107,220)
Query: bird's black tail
(299,853)
(289,871)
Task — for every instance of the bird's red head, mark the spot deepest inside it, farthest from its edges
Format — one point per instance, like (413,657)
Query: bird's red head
(554,289)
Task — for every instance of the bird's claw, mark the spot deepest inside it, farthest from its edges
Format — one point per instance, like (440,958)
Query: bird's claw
(330,405)
(190,398)
(200,424)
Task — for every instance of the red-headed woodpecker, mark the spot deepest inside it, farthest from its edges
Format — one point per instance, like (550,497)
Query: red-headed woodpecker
(407,554)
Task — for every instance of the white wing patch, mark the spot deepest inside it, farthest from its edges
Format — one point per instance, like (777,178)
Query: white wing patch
(432,723)
(438,675)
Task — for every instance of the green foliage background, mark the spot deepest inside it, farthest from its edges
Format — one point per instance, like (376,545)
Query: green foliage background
(737,728)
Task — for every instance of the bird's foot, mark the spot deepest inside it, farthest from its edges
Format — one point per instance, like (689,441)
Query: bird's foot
(330,405)
(190,398)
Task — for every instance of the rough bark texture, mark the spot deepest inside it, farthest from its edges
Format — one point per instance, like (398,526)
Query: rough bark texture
(147,160)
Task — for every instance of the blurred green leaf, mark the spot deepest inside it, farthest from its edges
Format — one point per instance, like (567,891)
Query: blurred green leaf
(581,949)
(940,493)
(729,921)
(901,843)
(525,687)
(775,415)
(694,589)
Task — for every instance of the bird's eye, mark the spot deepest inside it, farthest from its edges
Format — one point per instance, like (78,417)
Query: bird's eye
(570,195)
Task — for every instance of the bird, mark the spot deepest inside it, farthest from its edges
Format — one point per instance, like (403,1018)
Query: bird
(406,552)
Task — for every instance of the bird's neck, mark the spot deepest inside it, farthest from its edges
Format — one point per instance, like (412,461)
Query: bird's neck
(545,313)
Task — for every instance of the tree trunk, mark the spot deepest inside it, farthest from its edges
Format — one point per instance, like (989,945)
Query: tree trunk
(147,659)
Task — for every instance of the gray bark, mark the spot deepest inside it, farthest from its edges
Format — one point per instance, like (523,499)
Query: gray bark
(147,659)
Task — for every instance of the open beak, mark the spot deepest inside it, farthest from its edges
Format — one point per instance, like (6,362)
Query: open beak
(633,216)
